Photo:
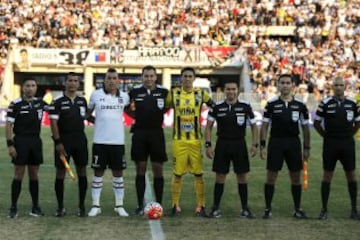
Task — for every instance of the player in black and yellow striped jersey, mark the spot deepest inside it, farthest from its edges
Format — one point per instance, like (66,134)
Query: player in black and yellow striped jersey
(187,102)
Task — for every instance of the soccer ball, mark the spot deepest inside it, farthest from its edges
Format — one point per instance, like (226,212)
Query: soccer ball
(153,210)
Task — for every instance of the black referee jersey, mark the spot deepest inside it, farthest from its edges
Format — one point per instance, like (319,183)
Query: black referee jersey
(285,116)
(69,113)
(231,119)
(339,116)
(26,116)
(149,106)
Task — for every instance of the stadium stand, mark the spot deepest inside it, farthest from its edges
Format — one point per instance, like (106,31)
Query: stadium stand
(315,40)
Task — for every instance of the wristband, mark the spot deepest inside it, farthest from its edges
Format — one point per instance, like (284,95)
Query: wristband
(207,144)
(9,143)
(262,143)
(256,145)
(307,147)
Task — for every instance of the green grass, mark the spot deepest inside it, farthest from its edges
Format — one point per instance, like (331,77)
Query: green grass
(230,226)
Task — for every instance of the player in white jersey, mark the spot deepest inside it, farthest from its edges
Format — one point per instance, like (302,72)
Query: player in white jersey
(109,140)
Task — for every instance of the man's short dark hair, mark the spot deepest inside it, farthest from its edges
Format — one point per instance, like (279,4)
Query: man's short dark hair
(111,70)
(70,74)
(28,79)
(188,69)
(23,50)
(147,68)
(237,83)
(286,76)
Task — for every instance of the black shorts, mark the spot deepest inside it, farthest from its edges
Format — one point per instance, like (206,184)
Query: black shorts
(339,149)
(148,142)
(234,151)
(76,147)
(288,149)
(29,150)
(111,156)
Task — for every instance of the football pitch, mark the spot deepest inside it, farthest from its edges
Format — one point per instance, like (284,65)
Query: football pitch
(230,226)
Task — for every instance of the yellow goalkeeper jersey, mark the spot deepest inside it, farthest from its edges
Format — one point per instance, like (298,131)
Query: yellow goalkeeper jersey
(187,110)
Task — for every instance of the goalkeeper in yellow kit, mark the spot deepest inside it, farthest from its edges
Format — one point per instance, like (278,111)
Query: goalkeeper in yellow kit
(187,102)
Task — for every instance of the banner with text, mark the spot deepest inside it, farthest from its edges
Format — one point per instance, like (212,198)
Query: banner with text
(224,56)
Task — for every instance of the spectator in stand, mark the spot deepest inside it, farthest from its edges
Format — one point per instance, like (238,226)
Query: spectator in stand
(326,33)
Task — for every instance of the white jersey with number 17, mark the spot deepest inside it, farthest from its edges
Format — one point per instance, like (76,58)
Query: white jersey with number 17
(109,126)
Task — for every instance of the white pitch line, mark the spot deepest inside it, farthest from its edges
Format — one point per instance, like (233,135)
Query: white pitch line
(155,225)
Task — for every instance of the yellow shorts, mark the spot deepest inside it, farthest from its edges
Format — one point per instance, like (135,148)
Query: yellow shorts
(187,157)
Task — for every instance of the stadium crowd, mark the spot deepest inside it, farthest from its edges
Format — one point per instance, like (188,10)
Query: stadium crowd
(325,41)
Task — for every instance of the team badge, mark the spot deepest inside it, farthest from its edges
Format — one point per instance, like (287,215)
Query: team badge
(120,100)
(187,101)
(349,115)
(160,103)
(240,120)
(82,112)
(40,113)
(295,116)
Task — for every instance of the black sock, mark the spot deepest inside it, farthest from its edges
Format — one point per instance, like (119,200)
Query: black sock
(352,187)
(59,191)
(243,193)
(159,188)
(325,192)
(296,194)
(218,192)
(15,192)
(269,193)
(83,184)
(140,189)
(34,192)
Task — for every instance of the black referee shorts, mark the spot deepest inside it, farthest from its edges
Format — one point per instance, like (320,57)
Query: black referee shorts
(76,147)
(148,143)
(342,149)
(227,151)
(29,150)
(288,149)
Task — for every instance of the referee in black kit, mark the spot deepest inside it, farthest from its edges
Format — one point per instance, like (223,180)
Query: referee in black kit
(67,114)
(284,113)
(341,119)
(23,125)
(232,117)
(147,106)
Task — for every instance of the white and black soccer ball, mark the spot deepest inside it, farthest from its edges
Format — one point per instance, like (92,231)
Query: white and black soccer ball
(153,210)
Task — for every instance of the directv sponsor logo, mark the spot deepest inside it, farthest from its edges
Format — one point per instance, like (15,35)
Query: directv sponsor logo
(110,107)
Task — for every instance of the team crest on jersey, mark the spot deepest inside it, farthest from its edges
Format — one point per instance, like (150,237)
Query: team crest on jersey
(39,114)
(160,103)
(240,120)
(349,115)
(82,111)
(295,116)
(187,101)
(120,100)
